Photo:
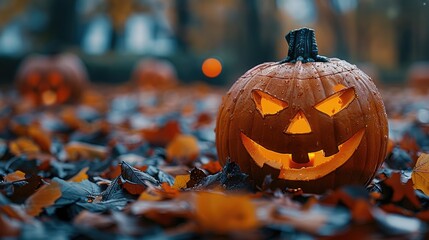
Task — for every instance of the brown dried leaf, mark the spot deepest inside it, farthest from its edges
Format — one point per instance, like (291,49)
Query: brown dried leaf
(224,213)
(402,191)
(44,197)
(420,175)
(15,176)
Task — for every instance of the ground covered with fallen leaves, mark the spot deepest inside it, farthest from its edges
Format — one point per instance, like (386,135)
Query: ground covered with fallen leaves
(127,164)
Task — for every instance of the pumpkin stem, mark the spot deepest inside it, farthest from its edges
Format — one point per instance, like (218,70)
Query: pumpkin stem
(302,47)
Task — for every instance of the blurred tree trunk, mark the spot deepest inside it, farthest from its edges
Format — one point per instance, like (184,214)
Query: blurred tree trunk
(261,31)
(182,14)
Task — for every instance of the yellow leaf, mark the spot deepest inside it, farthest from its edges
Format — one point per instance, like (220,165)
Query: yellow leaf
(420,175)
(150,196)
(44,197)
(223,213)
(180,181)
(15,176)
(80,176)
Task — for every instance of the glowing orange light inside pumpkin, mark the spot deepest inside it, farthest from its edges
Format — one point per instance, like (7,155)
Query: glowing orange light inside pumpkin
(299,124)
(336,102)
(318,166)
(49,97)
(267,104)
(212,67)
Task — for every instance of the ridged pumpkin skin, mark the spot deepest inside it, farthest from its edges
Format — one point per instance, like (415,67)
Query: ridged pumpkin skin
(302,86)
(64,75)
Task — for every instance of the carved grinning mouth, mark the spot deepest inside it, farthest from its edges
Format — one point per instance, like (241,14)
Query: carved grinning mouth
(319,165)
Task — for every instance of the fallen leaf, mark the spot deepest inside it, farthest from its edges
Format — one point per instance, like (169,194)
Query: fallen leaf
(224,213)
(42,138)
(9,229)
(420,174)
(44,197)
(402,191)
(183,148)
(212,167)
(86,151)
(23,145)
(80,176)
(180,181)
(15,176)
(163,135)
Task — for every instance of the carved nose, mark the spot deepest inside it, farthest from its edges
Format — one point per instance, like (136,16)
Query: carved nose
(299,124)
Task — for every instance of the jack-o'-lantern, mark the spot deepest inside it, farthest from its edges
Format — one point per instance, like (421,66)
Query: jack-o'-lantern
(154,73)
(308,121)
(51,80)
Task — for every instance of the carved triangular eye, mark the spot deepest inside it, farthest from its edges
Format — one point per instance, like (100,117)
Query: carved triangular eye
(267,104)
(336,102)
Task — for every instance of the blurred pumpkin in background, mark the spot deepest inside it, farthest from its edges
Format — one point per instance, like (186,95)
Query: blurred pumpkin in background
(309,121)
(51,80)
(154,74)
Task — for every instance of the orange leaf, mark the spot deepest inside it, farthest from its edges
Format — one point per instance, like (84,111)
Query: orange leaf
(150,196)
(162,136)
(78,150)
(180,181)
(212,167)
(168,192)
(15,176)
(224,213)
(41,138)
(80,176)
(132,188)
(44,197)
(23,145)
(420,175)
(184,148)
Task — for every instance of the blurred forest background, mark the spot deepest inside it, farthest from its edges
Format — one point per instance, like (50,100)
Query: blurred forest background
(385,37)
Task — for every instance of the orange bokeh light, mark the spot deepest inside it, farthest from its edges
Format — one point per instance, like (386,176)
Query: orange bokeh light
(212,67)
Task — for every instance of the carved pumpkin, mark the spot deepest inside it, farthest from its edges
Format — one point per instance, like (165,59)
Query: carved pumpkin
(309,121)
(154,73)
(50,80)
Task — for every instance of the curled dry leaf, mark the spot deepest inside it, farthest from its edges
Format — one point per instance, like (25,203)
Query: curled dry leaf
(183,148)
(15,176)
(78,150)
(420,175)
(44,197)
(225,213)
